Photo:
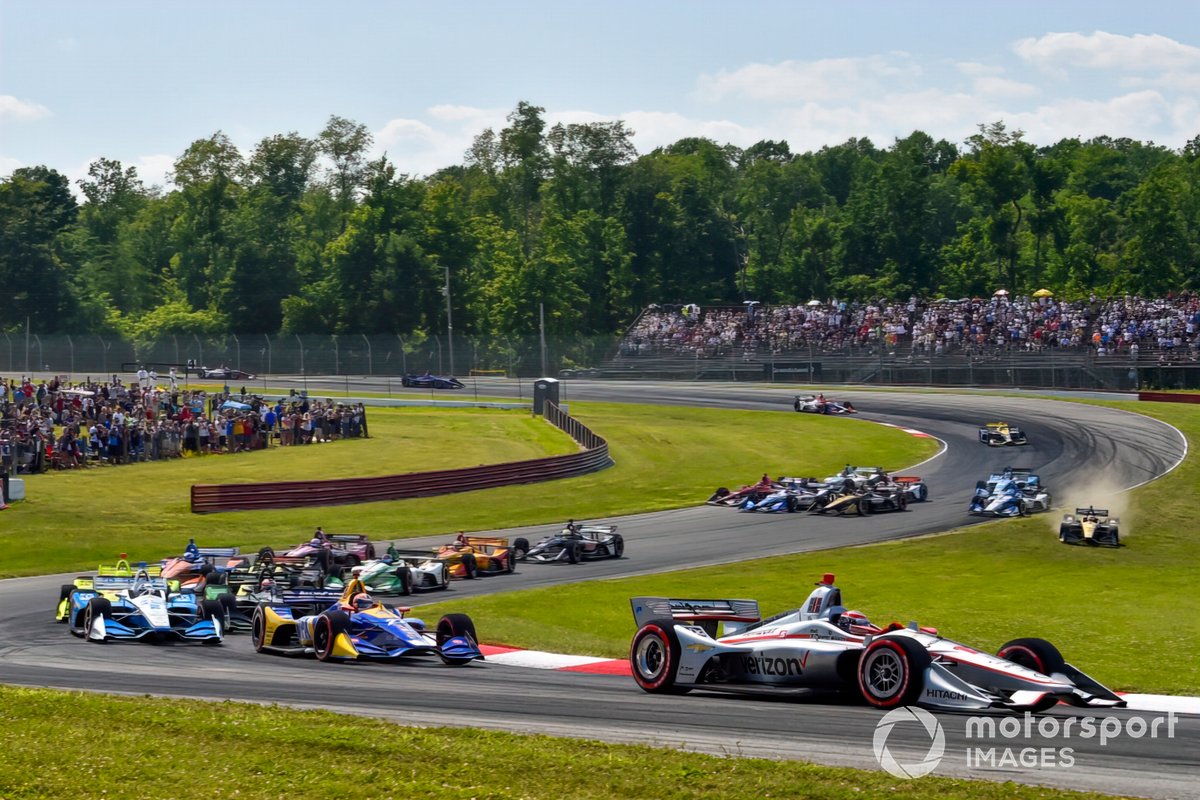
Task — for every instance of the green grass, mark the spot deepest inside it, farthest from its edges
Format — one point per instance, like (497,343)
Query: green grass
(665,458)
(128,747)
(1130,617)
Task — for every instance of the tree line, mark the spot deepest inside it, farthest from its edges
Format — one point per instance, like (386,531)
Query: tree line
(311,235)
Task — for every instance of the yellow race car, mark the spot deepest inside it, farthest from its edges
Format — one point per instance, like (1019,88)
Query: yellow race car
(998,434)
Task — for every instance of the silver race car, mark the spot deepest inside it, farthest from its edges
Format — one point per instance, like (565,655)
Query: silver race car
(822,648)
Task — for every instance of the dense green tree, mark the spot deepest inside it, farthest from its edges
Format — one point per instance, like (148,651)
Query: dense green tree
(36,209)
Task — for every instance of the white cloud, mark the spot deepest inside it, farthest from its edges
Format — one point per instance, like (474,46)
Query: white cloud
(657,128)
(1101,50)
(810,81)
(8,164)
(1138,115)
(153,170)
(12,108)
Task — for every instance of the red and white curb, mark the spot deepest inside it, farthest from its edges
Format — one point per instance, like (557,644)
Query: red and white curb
(910,431)
(537,659)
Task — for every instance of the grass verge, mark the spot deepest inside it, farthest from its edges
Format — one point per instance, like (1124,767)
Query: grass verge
(1129,617)
(664,459)
(266,752)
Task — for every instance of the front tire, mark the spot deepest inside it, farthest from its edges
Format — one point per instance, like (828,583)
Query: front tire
(1035,654)
(453,625)
(470,566)
(326,629)
(891,672)
(572,552)
(258,629)
(97,608)
(654,658)
(404,579)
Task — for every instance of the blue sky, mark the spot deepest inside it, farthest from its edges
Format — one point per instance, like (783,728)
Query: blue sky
(138,81)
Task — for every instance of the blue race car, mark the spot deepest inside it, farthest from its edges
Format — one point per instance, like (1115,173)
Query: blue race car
(143,608)
(428,381)
(355,626)
(1014,492)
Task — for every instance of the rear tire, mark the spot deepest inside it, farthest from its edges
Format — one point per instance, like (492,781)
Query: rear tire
(520,547)
(891,670)
(654,658)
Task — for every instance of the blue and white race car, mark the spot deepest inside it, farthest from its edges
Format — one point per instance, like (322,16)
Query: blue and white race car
(794,494)
(143,608)
(1014,492)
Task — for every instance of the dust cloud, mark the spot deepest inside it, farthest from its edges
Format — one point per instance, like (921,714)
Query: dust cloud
(1099,492)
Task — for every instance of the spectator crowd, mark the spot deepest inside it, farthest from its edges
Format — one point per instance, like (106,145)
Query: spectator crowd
(60,425)
(1126,325)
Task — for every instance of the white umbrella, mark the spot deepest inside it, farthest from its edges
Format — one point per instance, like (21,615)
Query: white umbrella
(1000,292)
(813,303)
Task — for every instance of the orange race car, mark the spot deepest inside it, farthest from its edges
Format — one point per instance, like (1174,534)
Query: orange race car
(470,556)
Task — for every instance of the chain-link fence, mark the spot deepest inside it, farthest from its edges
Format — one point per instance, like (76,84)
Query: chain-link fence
(92,355)
(349,354)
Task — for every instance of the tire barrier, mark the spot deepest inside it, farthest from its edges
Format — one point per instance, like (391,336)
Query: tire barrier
(1169,397)
(208,498)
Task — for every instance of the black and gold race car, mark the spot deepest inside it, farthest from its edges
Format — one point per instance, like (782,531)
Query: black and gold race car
(1090,526)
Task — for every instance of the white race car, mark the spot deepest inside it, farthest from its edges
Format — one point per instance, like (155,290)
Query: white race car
(1014,492)
(143,608)
(822,647)
(817,404)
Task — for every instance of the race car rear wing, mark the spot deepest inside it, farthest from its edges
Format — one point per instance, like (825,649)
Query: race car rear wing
(903,479)
(1096,512)
(353,538)
(310,597)
(219,552)
(484,541)
(646,609)
(115,583)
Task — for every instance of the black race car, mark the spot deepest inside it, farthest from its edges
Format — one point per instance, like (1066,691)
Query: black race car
(428,381)
(869,500)
(1090,526)
(574,543)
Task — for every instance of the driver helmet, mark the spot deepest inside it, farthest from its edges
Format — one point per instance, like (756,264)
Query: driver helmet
(362,601)
(315,542)
(356,570)
(849,619)
(267,584)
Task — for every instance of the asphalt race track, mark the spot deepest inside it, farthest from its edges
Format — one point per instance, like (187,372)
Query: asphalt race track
(1071,444)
